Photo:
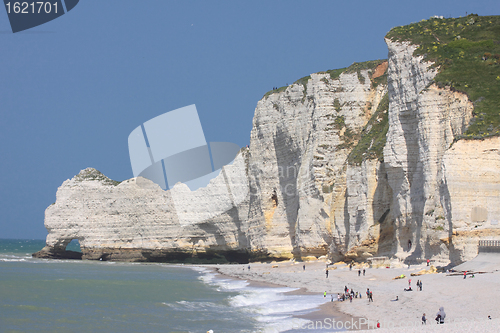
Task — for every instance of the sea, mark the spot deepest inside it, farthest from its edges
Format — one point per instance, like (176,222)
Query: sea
(45,295)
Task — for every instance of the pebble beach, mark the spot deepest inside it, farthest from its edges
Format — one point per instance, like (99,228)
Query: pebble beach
(467,302)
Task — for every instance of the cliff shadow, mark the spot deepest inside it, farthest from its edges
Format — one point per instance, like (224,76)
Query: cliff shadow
(410,241)
(288,157)
(444,193)
(381,208)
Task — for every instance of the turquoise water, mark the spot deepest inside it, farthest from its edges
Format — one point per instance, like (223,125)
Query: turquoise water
(93,296)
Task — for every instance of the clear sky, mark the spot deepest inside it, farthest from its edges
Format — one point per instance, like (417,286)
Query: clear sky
(73,89)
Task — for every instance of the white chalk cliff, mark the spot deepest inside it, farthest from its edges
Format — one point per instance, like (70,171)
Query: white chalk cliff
(306,187)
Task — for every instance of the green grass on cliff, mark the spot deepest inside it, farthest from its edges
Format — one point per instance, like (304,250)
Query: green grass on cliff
(373,136)
(91,174)
(467,51)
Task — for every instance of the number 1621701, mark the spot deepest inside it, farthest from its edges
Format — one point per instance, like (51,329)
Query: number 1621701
(38,7)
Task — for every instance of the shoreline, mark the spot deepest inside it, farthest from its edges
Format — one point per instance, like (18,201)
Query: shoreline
(440,289)
(328,309)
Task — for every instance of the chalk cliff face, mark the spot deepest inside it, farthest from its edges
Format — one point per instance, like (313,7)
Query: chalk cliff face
(137,220)
(423,168)
(313,181)
(300,141)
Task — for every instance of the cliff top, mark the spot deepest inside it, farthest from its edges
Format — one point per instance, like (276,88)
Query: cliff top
(356,67)
(91,174)
(467,52)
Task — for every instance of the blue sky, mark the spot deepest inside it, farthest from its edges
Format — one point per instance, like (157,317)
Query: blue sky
(73,89)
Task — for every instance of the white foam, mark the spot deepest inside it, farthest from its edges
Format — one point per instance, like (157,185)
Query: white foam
(14,260)
(272,308)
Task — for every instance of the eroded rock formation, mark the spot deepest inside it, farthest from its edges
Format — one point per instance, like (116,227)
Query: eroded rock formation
(342,165)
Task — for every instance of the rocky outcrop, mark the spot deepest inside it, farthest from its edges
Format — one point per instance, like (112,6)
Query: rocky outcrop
(137,220)
(340,164)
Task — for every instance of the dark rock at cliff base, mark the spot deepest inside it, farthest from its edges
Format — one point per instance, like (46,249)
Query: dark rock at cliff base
(49,252)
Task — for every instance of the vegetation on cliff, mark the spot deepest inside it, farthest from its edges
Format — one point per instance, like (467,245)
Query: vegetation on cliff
(467,52)
(91,174)
(373,136)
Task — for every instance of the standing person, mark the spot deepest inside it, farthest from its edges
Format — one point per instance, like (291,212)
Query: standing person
(420,286)
(428,261)
(465,275)
(304,267)
(409,282)
(359,272)
(424,320)
(324,295)
(440,316)
(363,272)
(327,273)
(368,294)
(371,296)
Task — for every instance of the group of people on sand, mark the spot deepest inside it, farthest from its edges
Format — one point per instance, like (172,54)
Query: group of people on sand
(350,294)
(419,285)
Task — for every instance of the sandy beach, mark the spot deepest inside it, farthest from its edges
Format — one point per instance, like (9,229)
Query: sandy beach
(467,302)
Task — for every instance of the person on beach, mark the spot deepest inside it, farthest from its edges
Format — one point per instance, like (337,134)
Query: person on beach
(428,262)
(409,283)
(363,272)
(324,295)
(424,320)
(440,316)
(359,272)
(465,275)
(327,273)
(332,299)
(420,286)
(371,297)
(304,267)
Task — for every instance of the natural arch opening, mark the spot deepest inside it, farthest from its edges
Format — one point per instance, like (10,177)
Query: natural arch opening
(74,246)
